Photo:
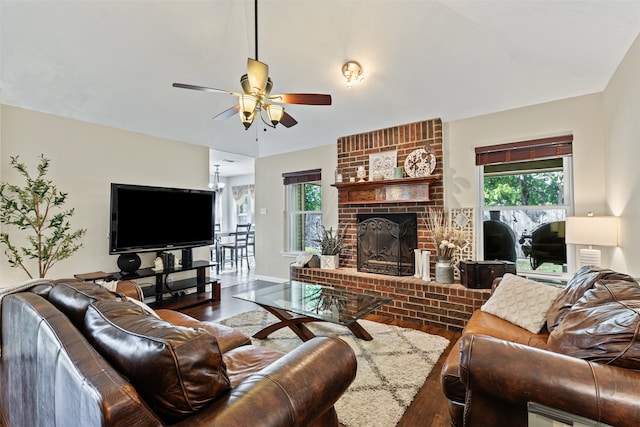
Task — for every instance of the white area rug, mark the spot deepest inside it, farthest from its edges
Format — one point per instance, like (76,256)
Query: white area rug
(391,368)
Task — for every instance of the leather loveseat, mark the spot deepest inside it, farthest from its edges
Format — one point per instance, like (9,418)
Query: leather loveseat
(585,361)
(75,354)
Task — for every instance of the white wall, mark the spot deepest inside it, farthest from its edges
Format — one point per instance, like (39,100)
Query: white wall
(85,159)
(622,119)
(270,232)
(580,116)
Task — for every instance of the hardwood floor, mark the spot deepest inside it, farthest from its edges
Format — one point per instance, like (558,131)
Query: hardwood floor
(429,408)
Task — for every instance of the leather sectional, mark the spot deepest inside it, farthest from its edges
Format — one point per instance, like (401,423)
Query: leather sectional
(585,361)
(76,354)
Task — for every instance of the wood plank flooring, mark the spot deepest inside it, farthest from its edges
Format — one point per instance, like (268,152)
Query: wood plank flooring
(429,408)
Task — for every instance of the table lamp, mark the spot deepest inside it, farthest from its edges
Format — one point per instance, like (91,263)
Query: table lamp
(592,231)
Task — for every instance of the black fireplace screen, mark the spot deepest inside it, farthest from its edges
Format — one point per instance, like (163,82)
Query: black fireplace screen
(386,243)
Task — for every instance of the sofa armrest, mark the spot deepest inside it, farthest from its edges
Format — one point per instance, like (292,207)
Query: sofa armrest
(295,390)
(501,377)
(130,289)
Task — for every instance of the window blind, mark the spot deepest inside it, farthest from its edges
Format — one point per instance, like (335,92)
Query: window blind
(556,146)
(302,176)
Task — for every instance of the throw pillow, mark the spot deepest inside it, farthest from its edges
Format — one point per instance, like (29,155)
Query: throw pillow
(522,302)
(177,370)
(602,326)
(581,282)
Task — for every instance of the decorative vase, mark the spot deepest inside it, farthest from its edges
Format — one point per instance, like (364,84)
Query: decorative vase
(444,270)
(418,263)
(426,265)
(328,262)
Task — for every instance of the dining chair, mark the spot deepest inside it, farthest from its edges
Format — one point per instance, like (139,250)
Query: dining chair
(251,244)
(214,250)
(238,247)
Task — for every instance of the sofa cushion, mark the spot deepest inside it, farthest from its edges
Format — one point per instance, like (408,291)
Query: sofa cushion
(602,326)
(482,323)
(72,297)
(522,302)
(584,279)
(177,370)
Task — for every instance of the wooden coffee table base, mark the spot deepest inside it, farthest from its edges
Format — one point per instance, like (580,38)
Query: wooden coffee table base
(296,322)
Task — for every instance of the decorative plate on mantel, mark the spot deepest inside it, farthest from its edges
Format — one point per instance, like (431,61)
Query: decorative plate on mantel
(420,162)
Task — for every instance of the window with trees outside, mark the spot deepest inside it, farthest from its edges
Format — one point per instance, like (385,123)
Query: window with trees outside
(524,204)
(303,212)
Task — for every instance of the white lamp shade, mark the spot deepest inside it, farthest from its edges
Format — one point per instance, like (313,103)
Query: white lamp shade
(275,113)
(247,105)
(592,230)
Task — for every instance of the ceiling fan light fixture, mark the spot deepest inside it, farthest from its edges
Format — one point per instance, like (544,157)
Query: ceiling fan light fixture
(275,113)
(352,72)
(246,121)
(248,104)
(256,97)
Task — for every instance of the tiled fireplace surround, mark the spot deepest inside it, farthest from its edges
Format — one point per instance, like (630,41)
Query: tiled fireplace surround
(414,300)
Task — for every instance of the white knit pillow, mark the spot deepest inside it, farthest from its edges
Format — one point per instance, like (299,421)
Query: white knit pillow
(522,302)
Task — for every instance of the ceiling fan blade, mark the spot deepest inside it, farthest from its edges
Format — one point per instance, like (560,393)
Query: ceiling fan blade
(287,121)
(258,74)
(302,98)
(204,88)
(228,113)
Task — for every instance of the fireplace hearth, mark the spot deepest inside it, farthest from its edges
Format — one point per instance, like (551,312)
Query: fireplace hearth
(386,243)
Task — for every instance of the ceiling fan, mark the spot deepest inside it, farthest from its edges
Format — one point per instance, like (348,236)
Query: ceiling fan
(256,96)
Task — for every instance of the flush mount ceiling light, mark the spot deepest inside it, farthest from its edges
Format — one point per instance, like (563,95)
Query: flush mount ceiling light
(352,71)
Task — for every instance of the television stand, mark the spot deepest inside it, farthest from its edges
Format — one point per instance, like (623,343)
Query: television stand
(175,289)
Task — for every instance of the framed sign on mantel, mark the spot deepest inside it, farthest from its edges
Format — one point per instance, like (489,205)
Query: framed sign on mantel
(382,165)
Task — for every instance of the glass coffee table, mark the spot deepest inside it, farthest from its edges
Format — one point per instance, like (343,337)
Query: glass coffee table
(296,303)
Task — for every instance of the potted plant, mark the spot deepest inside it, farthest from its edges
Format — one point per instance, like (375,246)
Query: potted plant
(331,243)
(32,208)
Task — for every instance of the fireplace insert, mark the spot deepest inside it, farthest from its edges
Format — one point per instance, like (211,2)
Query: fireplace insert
(386,243)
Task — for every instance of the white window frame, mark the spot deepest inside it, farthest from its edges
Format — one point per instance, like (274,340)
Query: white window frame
(290,212)
(568,206)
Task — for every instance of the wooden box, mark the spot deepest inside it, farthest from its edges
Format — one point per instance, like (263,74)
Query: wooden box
(480,274)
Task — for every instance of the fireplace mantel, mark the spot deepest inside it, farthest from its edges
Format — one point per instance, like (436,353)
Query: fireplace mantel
(403,190)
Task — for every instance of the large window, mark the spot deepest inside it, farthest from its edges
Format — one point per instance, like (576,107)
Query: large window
(303,211)
(524,204)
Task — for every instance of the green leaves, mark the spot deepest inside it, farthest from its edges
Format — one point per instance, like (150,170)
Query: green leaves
(31,208)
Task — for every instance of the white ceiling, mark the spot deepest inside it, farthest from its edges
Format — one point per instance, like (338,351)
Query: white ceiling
(113,62)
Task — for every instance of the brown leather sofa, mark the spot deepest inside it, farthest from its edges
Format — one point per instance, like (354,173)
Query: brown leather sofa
(585,361)
(75,354)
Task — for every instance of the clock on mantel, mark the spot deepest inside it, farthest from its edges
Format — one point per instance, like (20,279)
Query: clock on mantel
(403,190)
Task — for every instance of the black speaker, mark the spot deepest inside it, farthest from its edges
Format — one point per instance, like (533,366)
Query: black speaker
(128,263)
(187,257)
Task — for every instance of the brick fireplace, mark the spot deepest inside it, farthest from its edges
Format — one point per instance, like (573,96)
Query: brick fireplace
(414,300)
(354,151)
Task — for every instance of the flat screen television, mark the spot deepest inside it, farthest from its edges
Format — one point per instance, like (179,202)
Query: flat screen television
(146,219)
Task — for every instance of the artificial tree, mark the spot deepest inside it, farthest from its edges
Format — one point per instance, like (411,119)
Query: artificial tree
(32,208)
